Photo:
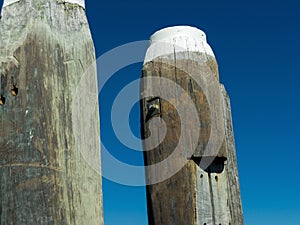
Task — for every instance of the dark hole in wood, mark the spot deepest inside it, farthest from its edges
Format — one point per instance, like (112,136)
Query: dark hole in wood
(14,90)
(204,224)
(216,166)
(191,86)
(2,100)
(201,175)
(216,178)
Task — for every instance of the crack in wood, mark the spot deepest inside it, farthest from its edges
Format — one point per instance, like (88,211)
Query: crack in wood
(37,165)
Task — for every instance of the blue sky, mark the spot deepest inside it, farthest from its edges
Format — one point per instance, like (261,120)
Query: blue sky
(258,50)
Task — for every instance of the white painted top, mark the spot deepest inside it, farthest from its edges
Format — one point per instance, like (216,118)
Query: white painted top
(177,39)
(79,2)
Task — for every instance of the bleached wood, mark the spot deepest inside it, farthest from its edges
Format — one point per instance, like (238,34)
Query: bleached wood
(45,178)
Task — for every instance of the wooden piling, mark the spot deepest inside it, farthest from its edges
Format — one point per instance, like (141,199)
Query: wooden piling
(45,49)
(196,194)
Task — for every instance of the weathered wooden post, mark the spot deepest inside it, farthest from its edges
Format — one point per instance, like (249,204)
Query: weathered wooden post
(47,134)
(192,174)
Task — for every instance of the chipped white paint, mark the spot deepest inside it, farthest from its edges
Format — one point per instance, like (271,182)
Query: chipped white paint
(176,39)
(79,2)
(30,134)
(8,2)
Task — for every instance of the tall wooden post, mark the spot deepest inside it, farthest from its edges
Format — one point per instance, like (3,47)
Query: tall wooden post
(47,134)
(204,190)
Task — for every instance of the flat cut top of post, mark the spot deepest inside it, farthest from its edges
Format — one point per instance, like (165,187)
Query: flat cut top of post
(79,2)
(177,39)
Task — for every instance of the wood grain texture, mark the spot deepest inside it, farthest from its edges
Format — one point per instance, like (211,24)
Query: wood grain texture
(45,47)
(194,195)
(233,185)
